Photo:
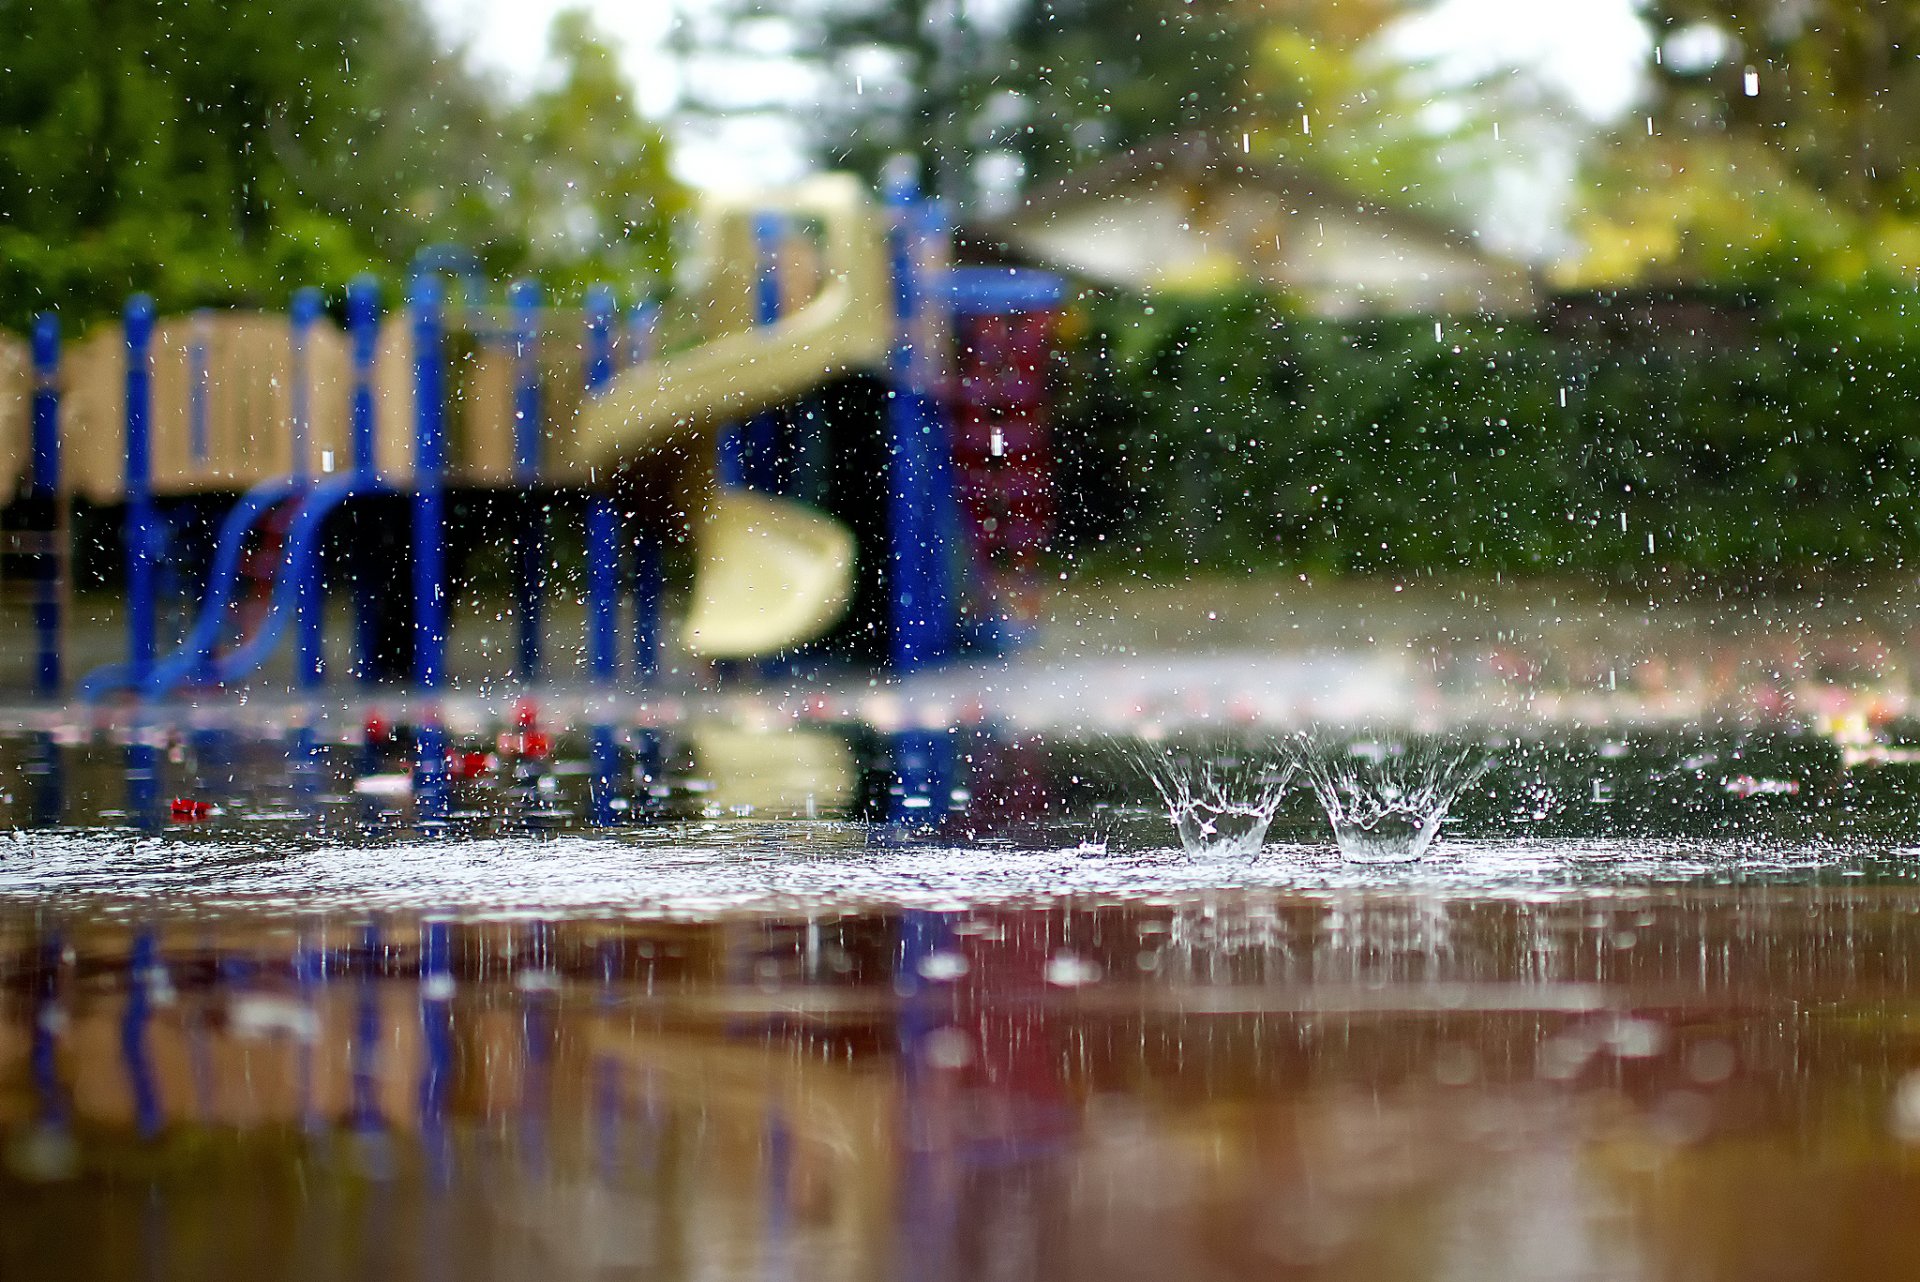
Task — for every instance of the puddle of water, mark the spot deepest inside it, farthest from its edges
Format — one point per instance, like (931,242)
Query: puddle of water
(691,1001)
(1342,1084)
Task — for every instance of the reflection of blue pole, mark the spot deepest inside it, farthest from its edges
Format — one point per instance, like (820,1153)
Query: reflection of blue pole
(43,1057)
(363,330)
(366,1038)
(922,763)
(142,519)
(432,788)
(141,966)
(43,485)
(310,660)
(603,521)
(46,773)
(143,775)
(436,1023)
(779,1145)
(531,580)
(310,973)
(304,765)
(926,1214)
(606,775)
(429,499)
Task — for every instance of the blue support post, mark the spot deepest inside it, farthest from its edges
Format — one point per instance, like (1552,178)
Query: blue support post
(363,333)
(310,659)
(429,498)
(531,580)
(142,520)
(919,596)
(43,488)
(600,316)
(603,521)
(603,587)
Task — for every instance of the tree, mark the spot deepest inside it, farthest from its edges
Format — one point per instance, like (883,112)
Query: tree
(224,154)
(1777,142)
(590,183)
(976,93)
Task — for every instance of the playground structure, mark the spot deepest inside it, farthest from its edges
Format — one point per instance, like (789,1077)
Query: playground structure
(663,426)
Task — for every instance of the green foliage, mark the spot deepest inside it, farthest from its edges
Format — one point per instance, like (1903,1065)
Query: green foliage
(1253,438)
(215,153)
(1777,142)
(590,179)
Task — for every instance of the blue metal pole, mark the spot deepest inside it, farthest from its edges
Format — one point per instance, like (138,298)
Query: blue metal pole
(600,315)
(310,657)
(527,428)
(603,521)
(429,498)
(43,486)
(917,637)
(142,518)
(363,332)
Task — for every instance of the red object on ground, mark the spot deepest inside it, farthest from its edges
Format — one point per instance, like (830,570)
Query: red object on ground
(468,765)
(377,730)
(525,739)
(186,810)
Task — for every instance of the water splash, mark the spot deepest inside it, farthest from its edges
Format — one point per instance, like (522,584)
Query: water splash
(1220,798)
(1386,801)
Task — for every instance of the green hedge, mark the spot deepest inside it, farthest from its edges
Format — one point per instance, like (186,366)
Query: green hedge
(1780,437)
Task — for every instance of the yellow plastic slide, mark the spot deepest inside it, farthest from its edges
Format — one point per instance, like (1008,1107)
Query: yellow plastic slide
(772,573)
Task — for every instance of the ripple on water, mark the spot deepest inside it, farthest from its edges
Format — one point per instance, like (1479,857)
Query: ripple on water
(708,869)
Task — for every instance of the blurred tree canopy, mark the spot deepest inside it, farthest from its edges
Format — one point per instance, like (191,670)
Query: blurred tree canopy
(985,96)
(1777,143)
(220,153)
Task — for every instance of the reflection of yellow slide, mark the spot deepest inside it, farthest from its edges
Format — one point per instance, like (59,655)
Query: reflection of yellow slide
(793,770)
(772,573)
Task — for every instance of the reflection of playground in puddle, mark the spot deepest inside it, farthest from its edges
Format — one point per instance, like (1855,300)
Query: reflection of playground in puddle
(1358,1084)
